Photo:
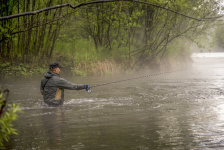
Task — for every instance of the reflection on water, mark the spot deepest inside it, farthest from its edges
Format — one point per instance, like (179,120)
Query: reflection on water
(182,110)
(52,125)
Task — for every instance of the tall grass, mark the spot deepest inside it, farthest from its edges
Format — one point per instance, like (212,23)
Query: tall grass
(83,58)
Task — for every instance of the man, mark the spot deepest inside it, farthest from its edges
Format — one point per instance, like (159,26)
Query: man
(52,86)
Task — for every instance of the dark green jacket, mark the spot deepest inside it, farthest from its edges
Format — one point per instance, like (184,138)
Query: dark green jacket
(52,87)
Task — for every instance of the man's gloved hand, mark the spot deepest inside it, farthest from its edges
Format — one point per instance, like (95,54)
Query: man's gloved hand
(86,87)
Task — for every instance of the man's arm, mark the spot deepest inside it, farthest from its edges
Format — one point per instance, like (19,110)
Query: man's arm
(62,83)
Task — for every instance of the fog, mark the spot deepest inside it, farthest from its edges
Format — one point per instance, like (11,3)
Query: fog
(178,110)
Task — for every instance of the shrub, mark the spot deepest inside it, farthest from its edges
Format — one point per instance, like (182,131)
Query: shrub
(6,119)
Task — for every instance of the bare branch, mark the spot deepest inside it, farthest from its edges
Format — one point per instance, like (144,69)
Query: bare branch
(96,2)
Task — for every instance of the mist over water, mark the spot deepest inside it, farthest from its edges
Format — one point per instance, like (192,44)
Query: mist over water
(181,110)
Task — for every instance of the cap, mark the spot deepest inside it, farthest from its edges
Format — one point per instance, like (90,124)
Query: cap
(54,65)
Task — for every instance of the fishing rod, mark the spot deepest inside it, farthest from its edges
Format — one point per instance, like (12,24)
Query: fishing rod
(129,79)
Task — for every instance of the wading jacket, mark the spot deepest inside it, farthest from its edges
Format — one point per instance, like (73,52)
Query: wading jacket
(52,87)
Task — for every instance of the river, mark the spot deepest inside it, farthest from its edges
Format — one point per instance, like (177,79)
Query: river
(180,110)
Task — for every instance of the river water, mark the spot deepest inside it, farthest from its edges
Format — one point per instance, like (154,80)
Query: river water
(180,110)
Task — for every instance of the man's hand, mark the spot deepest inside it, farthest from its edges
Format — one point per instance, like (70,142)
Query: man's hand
(87,87)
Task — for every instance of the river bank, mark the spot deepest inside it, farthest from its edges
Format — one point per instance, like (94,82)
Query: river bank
(95,68)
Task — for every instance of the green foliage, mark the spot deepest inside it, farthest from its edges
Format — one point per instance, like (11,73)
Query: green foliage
(6,126)
(7,70)
(127,32)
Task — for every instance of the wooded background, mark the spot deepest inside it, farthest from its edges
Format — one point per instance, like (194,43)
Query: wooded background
(133,34)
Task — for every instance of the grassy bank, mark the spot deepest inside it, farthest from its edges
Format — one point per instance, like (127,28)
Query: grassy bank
(80,58)
(95,68)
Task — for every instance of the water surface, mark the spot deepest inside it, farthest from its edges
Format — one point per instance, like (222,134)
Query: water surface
(181,110)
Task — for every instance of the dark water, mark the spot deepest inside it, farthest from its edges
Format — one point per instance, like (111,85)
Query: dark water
(182,110)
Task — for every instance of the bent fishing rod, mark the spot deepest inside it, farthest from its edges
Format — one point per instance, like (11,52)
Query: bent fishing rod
(129,79)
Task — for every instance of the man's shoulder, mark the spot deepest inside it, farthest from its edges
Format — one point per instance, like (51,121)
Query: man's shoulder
(57,78)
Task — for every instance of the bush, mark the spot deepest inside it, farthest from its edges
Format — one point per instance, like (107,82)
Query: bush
(7,117)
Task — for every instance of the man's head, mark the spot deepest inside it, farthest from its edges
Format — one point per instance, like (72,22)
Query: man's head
(55,67)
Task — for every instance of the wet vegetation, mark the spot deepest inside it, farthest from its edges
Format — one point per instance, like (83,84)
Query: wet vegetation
(101,38)
(8,113)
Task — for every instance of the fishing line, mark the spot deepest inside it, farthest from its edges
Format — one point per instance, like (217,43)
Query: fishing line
(129,79)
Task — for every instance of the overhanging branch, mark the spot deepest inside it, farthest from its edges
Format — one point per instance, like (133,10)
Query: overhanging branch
(95,2)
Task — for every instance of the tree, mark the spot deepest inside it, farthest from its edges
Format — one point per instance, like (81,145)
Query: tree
(139,30)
